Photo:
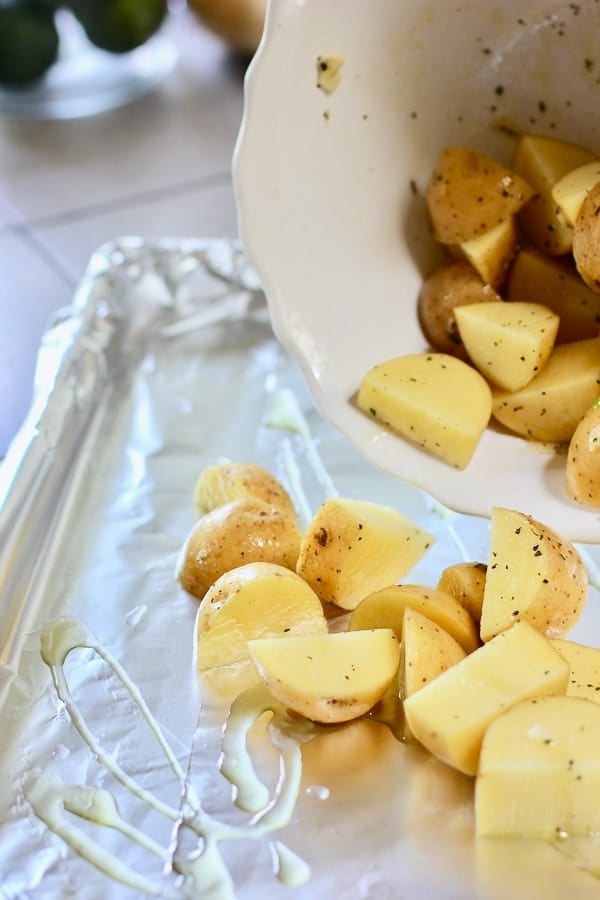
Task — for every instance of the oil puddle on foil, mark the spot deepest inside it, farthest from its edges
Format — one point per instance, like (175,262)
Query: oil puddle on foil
(202,872)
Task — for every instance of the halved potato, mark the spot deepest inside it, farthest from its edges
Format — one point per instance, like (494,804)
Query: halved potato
(508,342)
(550,407)
(451,714)
(466,583)
(542,161)
(426,651)
(245,530)
(533,575)
(539,771)
(386,608)
(555,283)
(416,396)
(572,189)
(586,239)
(492,252)
(220,484)
(450,285)
(328,677)
(583,460)
(584,665)
(352,548)
(469,194)
(253,601)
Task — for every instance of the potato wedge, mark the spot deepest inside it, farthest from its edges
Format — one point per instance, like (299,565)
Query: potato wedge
(469,194)
(352,548)
(451,714)
(533,575)
(555,283)
(508,342)
(450,285)
(491,253)
(386,608)
(328,677)
(542,161)
(584,665)
(426,651)
(416,396)
(245,530)
(466,583)
(586,239)
(539,771)
(572,189)
(583,460)
(220,484)
(258,600)
(550,407)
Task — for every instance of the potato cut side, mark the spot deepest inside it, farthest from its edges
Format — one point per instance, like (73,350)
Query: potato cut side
(492,252)
(583,460)
(508,342)
(386,608)
(586,239)
(555,283)
(550,407)
(352,548)
(469,194)
(584,663)
(572,189)
(416,396)
(220,484)
(466,583)
(451,714)
(426,651)
(542,161)
(253,601)
(245,530)
(330,677)
(539,771)
(533,575)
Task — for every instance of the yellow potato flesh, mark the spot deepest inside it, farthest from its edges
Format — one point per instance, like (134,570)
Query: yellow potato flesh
(539,771)
(220,484)
(555,283)
(491,253)
(328,678)
(451,714)
(533,575)
(386,608)
(254,601)
(583,460)
(426,651)
(542,161)
(416,395)
(508,342)
(584,663)
(550,407)
(352,548)
(466,583)
(570,192)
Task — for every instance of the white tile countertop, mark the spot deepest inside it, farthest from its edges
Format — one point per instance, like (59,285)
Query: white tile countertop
(160,166)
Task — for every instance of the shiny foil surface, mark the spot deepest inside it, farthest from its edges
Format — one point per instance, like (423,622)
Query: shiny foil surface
(165,363)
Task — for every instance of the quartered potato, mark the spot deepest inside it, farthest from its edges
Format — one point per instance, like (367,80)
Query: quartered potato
(586,239)
(245,530)
(539,771)
(352,548)
(584,665)
(469,194)
(492,252)
(257,600)
(570,192)
(583,460)
(426,651)
(466,583)
(533,575)
(451,714)
(220,484)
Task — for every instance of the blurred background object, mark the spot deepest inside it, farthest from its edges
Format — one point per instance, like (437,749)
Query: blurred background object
(239,22)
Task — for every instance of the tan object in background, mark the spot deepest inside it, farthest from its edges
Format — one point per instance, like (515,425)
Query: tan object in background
(239,22)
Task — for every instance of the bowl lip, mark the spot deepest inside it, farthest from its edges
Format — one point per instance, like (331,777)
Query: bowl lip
(582,525)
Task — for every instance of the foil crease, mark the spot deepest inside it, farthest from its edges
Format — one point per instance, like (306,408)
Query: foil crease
(164,363)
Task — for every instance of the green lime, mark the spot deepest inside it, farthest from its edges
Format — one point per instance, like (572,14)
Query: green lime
(28,42)
(119,25)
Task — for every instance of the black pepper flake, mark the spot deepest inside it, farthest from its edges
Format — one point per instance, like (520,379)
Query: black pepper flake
(589,64)
(542,106)
(413,187)
(413,115)
(499,90)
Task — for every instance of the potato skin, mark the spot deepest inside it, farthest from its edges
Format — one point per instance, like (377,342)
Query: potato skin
(583,460)
(220,484)
(586,240)
(450,285)
(243,531)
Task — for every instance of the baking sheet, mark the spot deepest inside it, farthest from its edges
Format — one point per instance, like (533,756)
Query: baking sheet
(165,363)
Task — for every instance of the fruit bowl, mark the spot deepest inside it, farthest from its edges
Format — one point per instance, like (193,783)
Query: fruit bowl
(330,184)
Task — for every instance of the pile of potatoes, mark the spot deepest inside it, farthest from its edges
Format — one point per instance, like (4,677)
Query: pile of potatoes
(477,669)
(529,235)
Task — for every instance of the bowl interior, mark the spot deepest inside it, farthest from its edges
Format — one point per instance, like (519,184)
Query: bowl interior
(330,191)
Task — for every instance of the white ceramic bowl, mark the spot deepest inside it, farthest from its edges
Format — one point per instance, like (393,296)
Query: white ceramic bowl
(328,214)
